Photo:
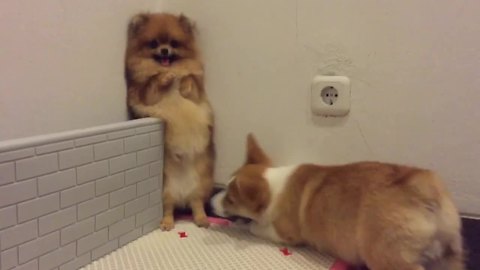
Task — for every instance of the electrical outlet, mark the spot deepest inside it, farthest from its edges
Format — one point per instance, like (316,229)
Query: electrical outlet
(330,96)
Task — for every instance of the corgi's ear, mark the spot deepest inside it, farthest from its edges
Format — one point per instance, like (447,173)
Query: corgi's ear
(255,154)
(136,23)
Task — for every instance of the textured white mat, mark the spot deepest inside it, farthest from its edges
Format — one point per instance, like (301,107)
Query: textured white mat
(219,247)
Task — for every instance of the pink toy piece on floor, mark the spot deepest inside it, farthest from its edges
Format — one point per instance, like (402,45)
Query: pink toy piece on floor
(182,234)
(212,220)
(285,251)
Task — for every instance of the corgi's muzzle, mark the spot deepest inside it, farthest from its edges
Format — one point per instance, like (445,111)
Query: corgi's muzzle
(217,206)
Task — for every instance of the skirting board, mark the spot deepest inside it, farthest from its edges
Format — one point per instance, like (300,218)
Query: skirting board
(69,198)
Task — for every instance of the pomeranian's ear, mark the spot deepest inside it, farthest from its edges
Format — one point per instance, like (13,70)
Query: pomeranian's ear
(136,23)
(187,25)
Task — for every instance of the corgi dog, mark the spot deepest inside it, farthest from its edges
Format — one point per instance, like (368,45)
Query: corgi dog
(379,215)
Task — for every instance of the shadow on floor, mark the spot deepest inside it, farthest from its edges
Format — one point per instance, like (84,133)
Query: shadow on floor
(471,236)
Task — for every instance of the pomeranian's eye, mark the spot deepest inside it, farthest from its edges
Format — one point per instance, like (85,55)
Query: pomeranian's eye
(153,44)
(174,43)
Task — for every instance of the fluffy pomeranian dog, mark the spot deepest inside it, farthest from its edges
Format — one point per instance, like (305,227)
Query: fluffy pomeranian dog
(165,79)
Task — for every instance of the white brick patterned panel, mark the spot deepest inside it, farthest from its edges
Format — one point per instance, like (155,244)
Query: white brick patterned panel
(76,157)
(57,220)
(64,197)
(92,171)
(92,241)
(92,207)
(122,163)
(108,149)
(56,181)
(156,168)
(105,249)
(155,197)
(137,174)
(14,155)
(121,134)
(8,216)
(136,206)
(109,217)
(31,265)
(147,186)
(19,234)
(57,257)
(109,184)
(137,143)
(123,195)
(90,140)
(130,236)
(148,155)
(54,147)
(146,129)
(9,259)
(38,247)
(77,262)
(156,138)
(147,215)
(77,231)
(18,192)
(38,207)
(151,225)
(35,166)
(77,194)
(7,173)
(121,227)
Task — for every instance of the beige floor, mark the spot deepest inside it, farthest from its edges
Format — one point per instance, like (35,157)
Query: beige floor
(219,247)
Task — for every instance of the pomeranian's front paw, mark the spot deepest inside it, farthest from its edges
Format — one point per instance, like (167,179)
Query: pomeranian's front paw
(167,79)
(201,221)
(167,224)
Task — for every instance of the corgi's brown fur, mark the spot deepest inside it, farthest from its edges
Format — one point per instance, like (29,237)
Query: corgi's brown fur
(164,75)
(384,216)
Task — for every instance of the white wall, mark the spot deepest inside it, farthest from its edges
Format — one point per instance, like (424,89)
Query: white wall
(61,64)
(414,70)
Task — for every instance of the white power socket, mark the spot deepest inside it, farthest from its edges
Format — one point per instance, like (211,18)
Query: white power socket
(330,95)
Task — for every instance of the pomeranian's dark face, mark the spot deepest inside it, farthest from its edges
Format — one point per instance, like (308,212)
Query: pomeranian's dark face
(166,38)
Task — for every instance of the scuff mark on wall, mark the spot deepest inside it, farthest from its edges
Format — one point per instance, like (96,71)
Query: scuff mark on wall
(334,60)
(331,58)
(363,137)
(296,20)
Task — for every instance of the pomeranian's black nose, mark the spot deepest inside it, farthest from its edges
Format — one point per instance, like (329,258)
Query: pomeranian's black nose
(164,51)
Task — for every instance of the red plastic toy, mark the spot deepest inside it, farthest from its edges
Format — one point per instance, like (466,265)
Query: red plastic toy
(285,251)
